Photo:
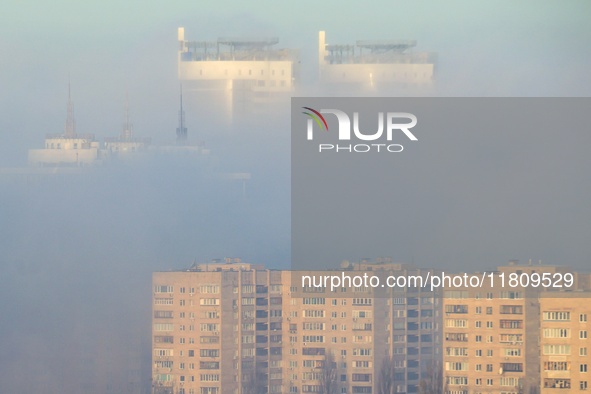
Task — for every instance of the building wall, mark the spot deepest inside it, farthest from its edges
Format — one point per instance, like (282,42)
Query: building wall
(495,335)
(565,328)
(66,151)
(54,157)
(264,326)
(485,340)
(376,74)
(240,83)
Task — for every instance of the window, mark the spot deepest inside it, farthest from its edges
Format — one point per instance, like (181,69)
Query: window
(556,365)
(583,334)
(456,323)
(313,313)
(456,380)
(362,301)
(456,366)
(556,316)
(313,326)
(557,383)
(511,295)
(556,332)
(163,353)
(510,381)
(457,337)
(456,351)
(583,317)
(583,368)
(512,367)
(511,310)
(314,301)
(163,339)
(209,353)
(163,314)
(209,327)
(512,352)
(556,350)
(511,338)
(362,352)
(209,289)
(511,324)
(456,309)
(361,314)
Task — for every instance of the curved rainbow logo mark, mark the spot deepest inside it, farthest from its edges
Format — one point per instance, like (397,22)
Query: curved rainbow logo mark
(317,116)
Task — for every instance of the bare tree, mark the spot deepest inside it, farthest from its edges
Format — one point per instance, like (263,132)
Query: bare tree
(386,377)
(328,374)
(534,390)
(253,382)
(432,382)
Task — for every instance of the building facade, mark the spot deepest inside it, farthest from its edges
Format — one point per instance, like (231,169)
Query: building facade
(231,327)
(374,65)
(499,339)
(564,342)
(238,75)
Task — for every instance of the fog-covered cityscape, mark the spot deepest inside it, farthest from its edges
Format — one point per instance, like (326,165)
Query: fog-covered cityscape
(146,201)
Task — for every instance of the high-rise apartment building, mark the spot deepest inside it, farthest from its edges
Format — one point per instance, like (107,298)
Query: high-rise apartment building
(231,327)
(494,334)
(565,328)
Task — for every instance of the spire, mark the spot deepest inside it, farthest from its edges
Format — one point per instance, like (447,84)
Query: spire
(181,131)
(127,132)
(70,122)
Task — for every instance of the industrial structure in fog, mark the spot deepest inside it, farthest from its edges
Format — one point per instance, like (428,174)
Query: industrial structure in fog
(73,150)
(68,148)
(237,74)
(374,64)
(126,142)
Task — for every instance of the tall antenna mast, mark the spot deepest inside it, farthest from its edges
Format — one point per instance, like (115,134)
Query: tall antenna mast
(127,132)
(70,122)
(181,131)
